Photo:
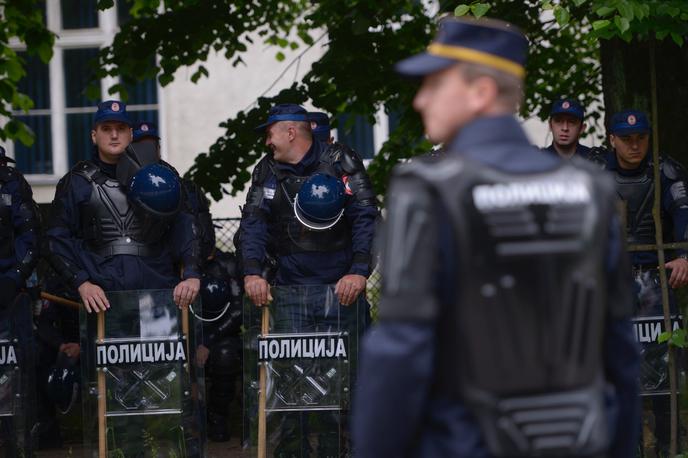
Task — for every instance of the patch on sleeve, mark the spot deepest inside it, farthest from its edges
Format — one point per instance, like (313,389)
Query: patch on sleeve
(268,193)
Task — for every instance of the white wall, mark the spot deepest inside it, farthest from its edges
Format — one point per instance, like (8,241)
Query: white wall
(191,113)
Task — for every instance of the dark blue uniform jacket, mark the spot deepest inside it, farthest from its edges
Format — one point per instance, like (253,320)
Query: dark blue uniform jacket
(120,272)
(581,151)
(309,268)
(396,412)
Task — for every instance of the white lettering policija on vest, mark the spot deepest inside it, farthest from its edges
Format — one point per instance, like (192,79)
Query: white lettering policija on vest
(505,195)
(140,352)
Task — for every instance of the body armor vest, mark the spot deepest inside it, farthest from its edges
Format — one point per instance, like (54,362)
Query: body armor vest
(6,225)
(637,195)
(111,225)
(290,235)
(522,346)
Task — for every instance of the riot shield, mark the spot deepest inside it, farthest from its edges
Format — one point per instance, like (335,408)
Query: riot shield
(300,357)
(17,369)
(648,324)
(143,394)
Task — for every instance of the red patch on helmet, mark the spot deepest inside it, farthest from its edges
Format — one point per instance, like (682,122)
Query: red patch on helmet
(631,120)
(566,105)
(347,188)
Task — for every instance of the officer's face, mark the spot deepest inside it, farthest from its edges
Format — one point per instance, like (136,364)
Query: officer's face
(111,138)
(630,149)
(278,137)
(566,129)
(446,102)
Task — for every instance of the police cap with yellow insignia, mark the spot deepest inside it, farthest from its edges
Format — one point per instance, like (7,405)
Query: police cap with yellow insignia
(487,42)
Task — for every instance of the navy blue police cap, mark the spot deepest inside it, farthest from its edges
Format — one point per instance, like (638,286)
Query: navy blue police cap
(4,157)
(111,110)
(487,42)
(569,107)
(284,112)
(322,125)
(145,129)
(629,122)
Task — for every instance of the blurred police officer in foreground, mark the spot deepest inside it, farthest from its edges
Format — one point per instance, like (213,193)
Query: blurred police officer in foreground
(505,309)
(199,205)
(567,124)
(336,249)
(118,222)
(633,170)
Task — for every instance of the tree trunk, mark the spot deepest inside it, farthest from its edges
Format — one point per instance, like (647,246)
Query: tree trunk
(626,85)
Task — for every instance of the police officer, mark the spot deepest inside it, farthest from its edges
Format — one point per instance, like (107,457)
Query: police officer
(567,124)
(320,125)
(502,299)
(221,350)
(20,227)
(99,240)
(341,255)
(199,205)
(633,170)
(19,240)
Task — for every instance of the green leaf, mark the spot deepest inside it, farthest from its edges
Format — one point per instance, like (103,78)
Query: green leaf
(105,4)
(621,23)
(678,338)
(461,10)
(664,337)
(280,56)
(480,9)
(562,15)
(579,2)
(22,102)
(604,11)
(547,5)
(678,39)
(601,24)
(625,10)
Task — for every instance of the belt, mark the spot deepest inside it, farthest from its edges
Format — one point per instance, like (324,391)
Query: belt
(127,246)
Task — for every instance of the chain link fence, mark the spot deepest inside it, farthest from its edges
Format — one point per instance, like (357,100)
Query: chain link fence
(225,228)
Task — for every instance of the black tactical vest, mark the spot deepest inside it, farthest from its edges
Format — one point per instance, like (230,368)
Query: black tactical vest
(522,344)
(110,225)
(637,194)
(290,235)
(6,225)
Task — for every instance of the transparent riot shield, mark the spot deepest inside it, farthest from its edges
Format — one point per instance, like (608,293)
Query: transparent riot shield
(300,357)
(143,394)
(17,369)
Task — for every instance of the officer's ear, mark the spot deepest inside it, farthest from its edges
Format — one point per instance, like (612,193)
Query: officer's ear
(612,140)
(93,135)
(583,127)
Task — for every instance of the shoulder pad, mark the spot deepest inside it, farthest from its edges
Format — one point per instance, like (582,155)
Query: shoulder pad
(348,159)
(425,168)
(598,156)
(672,168)
(169,166)
(86,169)
(262,169)
(7,173)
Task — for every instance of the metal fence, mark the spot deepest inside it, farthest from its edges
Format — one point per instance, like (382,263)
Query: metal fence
(225,228)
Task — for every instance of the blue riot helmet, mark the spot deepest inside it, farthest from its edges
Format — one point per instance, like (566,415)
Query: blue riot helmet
(215,294)
(63,383)
(156,189)
(319,204)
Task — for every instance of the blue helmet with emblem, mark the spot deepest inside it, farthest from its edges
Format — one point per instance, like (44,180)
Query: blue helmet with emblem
(319,204)
(156,189)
